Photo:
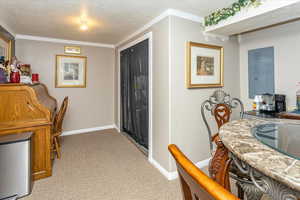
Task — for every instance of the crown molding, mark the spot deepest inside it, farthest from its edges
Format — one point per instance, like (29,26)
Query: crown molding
(166,13)
(145,27)
(57,40)
(212,36)
(185,15)
(7,28)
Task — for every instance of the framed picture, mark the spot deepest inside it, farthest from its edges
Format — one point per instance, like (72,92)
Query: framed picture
(7,45)
(204,65)
(70,71)
(72,50)
(5,49)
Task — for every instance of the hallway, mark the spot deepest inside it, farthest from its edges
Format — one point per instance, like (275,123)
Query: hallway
(103,165)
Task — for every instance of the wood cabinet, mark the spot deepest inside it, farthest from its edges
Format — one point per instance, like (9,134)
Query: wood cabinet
(26,108)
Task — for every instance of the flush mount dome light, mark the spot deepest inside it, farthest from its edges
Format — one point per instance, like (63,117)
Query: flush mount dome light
(83,25)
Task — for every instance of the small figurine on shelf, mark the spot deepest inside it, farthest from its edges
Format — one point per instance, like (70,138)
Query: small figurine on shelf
(14,71)
(15,62)
(3,78)
(5,71)
(25,71)
(2,59)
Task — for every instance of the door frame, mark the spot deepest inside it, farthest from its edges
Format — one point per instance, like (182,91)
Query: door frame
(150,86)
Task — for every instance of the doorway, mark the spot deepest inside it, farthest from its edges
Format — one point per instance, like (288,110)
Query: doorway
(134,92)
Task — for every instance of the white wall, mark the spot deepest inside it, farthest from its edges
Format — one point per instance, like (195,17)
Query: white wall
(176,109)
(286,42)
(187,128)
(88,107)
(160,88)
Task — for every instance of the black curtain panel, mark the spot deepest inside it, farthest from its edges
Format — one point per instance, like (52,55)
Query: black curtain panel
(134,92)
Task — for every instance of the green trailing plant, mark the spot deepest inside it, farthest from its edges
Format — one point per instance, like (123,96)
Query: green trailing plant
(222,14)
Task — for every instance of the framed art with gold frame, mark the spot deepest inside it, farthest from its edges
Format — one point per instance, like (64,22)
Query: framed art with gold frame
(5,48)
(73,50)
(70,71)
(204,65)
(6,45)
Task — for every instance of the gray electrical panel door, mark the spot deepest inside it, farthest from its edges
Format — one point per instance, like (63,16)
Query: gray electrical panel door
(261,71)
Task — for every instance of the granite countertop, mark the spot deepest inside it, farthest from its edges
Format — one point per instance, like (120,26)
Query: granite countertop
(262,114)
(237,137)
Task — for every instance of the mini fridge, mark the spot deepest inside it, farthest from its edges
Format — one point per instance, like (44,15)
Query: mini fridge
(15,166)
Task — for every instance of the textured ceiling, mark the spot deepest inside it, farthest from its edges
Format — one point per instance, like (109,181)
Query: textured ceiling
(110,20)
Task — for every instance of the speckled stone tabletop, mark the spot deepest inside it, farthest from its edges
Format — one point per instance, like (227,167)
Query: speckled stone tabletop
(238,138)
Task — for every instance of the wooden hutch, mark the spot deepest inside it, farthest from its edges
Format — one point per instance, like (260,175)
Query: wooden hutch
(30,108)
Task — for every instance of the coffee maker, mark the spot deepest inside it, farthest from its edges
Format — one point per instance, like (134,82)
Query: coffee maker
(270,103)
(280,103)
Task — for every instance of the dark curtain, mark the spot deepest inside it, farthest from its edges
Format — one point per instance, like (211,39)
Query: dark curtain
(134,92)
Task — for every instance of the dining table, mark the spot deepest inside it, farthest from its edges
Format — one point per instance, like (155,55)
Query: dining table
(268,151)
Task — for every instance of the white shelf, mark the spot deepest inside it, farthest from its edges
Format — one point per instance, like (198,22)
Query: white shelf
(269,13)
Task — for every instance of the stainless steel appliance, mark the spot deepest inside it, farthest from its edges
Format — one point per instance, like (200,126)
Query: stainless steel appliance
(270,103)
(265,102)
(15,166)
(280,103)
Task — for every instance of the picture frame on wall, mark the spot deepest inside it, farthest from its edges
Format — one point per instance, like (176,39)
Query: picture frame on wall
(204,65)
(70,71)
(72,50)
(5,49)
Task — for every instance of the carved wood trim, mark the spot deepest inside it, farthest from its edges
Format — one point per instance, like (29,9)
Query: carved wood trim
(220,164)
(19,104)
(222,114)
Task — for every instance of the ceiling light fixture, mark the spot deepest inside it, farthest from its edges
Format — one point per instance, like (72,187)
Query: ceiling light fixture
(84,25)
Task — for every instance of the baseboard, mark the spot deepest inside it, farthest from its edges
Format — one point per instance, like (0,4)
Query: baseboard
(169,175)
(162,170)
(173,175)
(87,130)
(203,163)
(117,128)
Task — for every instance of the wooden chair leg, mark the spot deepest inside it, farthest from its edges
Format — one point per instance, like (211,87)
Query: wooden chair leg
(52,149)
(187,195)
(58,141)
(52,154)
(57,148)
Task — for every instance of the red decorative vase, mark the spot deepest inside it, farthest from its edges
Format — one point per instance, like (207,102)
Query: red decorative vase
(15,77)
(35,78)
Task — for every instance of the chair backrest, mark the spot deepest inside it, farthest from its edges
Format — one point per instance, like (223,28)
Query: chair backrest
(59,117)
(222,114)
(195,184)
(220,106)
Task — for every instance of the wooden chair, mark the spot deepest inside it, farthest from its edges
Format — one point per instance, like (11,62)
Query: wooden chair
(196,185)
(57,127)
(220,106)
(220,159)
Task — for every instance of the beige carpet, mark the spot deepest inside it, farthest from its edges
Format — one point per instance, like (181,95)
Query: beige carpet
(103,165)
